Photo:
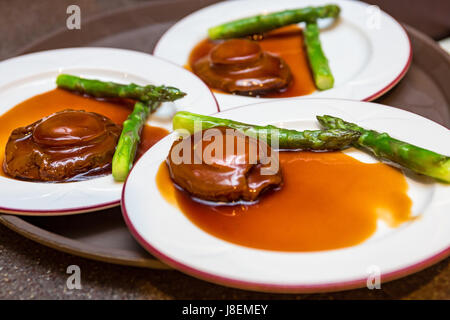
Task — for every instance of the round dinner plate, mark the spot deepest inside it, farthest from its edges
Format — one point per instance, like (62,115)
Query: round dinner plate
(368,51)
(32,74)
(168,234)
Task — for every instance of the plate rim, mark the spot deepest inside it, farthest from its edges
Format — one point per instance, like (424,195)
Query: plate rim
(99,206)
(369,98)
(273,287)
(402,73)
(60,212)
(277,288)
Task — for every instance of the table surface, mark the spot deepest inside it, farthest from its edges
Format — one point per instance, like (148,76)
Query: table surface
(31,271)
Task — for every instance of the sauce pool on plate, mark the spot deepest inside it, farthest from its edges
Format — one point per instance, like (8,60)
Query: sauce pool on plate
(286,43)
(56,100)
(329,200)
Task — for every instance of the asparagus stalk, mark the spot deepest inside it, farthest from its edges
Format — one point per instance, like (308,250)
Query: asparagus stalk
(102,89)
(317,60)
(266,22)
(149,99)
(129,139)
(334,139)
(385,147)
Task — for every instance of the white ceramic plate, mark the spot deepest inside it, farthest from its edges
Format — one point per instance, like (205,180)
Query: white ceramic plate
(368,51)
(169,235)
(28,75)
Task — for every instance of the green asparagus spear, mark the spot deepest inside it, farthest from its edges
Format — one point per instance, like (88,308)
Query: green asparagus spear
(266,22)
(149,97)
(288,139)
(317,60)
(383,146)
(129,139)
(102,89)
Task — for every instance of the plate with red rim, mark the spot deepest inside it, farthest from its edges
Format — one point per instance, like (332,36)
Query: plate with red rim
(32,74)
(368,50)
(167,233)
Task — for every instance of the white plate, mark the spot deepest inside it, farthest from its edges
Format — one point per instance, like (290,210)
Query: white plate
(28,75)
(368,51)
(169,235)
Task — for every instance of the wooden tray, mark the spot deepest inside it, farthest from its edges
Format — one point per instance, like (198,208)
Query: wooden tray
(103,235)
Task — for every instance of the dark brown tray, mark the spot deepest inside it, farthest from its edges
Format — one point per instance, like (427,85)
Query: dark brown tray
(103,235)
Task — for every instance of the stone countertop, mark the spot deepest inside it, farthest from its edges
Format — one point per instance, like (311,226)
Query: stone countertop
(31,271)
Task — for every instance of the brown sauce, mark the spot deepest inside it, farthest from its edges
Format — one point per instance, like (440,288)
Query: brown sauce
(286,43)
(57,100)
(328,201)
